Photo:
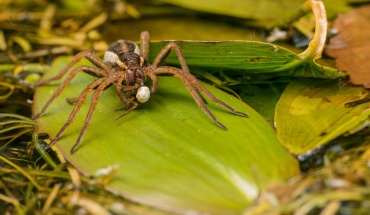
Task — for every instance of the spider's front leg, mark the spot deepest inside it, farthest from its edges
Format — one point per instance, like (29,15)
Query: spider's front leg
(101,70)
(64,84)
(80,101)
(190,81)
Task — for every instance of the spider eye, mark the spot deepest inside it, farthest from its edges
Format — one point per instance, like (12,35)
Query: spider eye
(143,94)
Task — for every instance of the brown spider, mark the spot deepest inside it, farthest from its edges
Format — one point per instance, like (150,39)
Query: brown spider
(125,66)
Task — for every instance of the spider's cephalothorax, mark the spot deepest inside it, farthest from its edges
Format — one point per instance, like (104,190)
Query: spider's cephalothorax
(126,68)
(124,56)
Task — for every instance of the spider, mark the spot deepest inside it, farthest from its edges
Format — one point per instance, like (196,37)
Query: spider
(126,67)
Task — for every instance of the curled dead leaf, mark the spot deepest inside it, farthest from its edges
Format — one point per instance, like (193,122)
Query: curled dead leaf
(351,46)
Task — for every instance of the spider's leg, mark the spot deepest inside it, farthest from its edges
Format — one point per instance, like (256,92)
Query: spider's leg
(144,52)
(61,87)
(195,88)
(163,54)
(149,72)
(204,100)
(213,97)
(144,45)
(94,101)
(95,71)
(80,102)
(193,91)
(85,54)
(185,74)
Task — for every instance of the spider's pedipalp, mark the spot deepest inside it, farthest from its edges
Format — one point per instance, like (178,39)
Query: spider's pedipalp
(133,107)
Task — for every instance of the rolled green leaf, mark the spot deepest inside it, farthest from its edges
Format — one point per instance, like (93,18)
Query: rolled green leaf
(246,58)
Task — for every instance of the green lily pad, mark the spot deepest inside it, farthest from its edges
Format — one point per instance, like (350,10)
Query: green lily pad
(311,113)
(170,154)
(246,58)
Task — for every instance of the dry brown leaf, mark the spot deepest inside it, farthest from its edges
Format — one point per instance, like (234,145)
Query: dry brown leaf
(351,46)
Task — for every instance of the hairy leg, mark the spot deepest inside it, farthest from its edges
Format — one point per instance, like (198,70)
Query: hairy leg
(69,78)
(86,54)
(194,88)
(80,102)
(94,101)
(144,45)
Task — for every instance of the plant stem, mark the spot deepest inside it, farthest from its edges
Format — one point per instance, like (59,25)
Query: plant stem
(316,46)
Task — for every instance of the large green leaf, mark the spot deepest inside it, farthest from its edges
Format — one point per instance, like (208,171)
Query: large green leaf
(246,57)
(170,154)
(310,113)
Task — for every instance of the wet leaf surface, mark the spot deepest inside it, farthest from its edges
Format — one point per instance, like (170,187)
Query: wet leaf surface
(351,46)
(170,155)
(310,113)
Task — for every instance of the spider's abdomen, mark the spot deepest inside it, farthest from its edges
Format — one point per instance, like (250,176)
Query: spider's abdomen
(115,55)
(124,46)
